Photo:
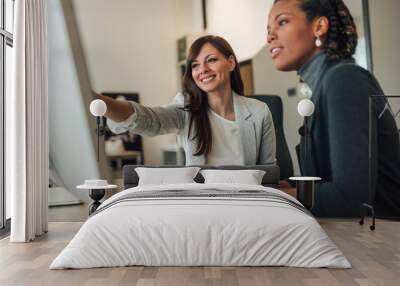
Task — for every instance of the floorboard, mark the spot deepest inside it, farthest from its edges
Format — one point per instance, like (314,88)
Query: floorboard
(375,257)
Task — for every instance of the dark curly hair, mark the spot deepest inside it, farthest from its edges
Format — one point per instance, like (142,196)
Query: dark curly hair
(341,40)
(196,101)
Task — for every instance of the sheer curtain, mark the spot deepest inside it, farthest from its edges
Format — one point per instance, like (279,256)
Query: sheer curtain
(27,123)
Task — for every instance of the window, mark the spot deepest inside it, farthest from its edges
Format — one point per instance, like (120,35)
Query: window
(6,44)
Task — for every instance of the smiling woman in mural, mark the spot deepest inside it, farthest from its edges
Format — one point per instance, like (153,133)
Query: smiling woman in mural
(318,39)
(214,123)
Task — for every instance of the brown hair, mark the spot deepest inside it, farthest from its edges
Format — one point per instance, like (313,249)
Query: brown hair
(196,102)
(341,40)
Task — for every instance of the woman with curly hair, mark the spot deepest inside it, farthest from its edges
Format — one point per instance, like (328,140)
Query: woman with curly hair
(214,123)
(317,38)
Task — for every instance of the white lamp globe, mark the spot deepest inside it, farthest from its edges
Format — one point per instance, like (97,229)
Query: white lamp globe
(305,107)
(98,107)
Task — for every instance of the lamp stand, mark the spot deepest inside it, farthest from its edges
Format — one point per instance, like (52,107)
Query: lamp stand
(99,132)
(305,138)
(96,195)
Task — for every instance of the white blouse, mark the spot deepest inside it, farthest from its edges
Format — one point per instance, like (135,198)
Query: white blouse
(227,148)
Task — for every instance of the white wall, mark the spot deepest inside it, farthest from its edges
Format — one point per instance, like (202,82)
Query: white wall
(386,43)
(242,23)
(71,148)
(131,46)
(355,7)
(188,17)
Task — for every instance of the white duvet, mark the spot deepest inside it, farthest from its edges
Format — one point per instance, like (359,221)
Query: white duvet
(200,231)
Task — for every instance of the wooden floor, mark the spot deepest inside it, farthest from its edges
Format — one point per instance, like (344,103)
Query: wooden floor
(375,256)
(74,213)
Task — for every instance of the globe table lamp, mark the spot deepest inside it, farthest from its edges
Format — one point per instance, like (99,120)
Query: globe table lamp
(305,184)
(98,108)
(97,187)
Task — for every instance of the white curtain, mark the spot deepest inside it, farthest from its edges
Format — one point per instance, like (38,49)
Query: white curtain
(27,123)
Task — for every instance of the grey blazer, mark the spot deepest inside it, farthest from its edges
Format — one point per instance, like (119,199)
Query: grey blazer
(252,116)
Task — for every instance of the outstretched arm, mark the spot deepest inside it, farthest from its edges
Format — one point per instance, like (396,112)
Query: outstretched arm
(148,121)
(117,110)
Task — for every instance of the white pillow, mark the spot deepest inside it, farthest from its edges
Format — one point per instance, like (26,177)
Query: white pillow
(248,177)
(163,176)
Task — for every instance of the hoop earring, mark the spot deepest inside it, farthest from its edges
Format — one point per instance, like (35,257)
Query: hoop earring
(318,42)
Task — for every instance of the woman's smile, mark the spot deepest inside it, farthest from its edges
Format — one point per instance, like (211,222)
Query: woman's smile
(275,51)
(207,79)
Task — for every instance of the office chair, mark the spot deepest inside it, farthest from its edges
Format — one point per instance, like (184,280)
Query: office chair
(284,160)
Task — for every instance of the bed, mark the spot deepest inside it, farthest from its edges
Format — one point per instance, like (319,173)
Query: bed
(201,224)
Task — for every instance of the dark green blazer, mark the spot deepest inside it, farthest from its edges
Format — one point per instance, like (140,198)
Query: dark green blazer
(338,145)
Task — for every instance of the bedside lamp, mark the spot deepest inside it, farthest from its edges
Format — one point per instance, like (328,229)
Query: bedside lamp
(304,184)
(305,108)
(98,108)
(97,187)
